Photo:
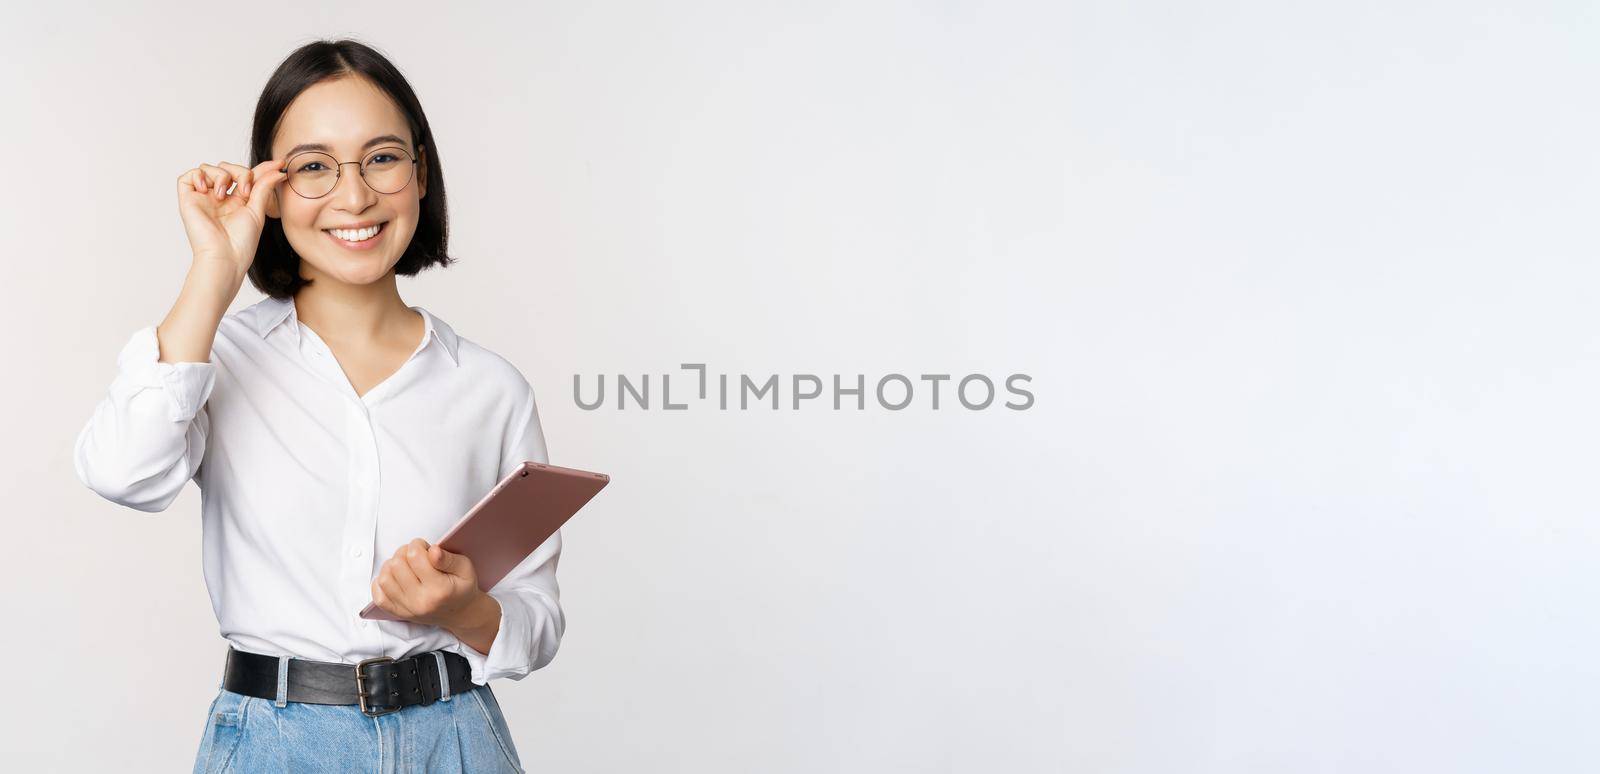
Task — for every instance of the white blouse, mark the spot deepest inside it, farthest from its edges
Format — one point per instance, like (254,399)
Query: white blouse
(306,488)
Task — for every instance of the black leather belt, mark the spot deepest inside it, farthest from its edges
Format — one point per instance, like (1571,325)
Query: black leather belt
(380,685)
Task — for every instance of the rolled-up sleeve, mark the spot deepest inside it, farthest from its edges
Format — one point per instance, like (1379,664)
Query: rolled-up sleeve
(147,436)
(531,619)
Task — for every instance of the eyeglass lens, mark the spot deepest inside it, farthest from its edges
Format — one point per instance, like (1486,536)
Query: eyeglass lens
(313,174)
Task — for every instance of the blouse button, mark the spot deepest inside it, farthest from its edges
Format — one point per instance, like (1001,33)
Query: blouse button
(356,551)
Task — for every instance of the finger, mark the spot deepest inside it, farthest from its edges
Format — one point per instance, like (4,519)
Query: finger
(448,562)
(221,190)
(239,173)
(378,597)
(400,567)
(208,177)
(198,180)
(395,590)
(255,174)
(388,597)
(192,180)
(267,179)
(417,558)
(216,180)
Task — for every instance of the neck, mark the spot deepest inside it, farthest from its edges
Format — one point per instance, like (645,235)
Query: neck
(360,315)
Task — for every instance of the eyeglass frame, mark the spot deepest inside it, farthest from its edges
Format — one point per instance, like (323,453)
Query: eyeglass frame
(338,171)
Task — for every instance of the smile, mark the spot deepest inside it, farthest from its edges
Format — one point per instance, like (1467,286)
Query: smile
(356,238)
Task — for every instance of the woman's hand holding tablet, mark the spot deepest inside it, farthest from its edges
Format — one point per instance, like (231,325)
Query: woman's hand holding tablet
(513,520)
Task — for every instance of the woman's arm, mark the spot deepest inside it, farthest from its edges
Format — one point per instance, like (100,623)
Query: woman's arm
(529,623)
(147,436)
(515,627)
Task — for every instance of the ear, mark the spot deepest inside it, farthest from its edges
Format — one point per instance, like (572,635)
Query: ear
(272,204)
(422,172)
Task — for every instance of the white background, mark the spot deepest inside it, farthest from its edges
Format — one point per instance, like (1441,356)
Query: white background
(1306,291)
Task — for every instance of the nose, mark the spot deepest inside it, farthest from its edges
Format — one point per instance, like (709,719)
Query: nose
(351,193)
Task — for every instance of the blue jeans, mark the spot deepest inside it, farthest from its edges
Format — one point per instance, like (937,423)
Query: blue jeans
(462,733)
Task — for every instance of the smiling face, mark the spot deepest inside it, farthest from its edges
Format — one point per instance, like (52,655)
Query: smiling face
(350,118)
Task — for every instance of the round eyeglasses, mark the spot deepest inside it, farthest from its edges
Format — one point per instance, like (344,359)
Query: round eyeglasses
(314,174)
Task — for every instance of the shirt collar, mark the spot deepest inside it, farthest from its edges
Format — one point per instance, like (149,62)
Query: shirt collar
(272,312)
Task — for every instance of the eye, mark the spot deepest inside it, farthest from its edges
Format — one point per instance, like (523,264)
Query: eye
(383,158)
(307,167)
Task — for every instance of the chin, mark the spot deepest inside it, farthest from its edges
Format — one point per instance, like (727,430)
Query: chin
(364,277)
(353,271)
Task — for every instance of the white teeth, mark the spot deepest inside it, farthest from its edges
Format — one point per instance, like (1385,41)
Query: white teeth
(356,235)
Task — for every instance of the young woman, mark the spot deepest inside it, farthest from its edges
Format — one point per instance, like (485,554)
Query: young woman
(332,429)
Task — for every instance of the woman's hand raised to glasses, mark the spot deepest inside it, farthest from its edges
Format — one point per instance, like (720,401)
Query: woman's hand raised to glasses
(224,209)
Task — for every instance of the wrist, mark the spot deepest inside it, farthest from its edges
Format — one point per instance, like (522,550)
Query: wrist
(216,277)
(478,623)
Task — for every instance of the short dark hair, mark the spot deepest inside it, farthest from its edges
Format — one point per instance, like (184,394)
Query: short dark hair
(276,270)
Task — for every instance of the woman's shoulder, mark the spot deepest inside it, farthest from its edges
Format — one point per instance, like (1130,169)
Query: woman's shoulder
(248,328)
(479,363)
(259,318)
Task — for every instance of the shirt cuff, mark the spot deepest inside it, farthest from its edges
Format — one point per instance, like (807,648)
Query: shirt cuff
(186,385)
(529,634)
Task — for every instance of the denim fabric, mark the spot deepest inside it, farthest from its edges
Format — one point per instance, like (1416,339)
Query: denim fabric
(464,733)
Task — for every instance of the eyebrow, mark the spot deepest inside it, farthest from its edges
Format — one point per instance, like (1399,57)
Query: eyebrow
(317,146)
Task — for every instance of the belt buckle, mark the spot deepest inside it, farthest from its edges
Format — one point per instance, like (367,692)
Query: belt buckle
(361,686)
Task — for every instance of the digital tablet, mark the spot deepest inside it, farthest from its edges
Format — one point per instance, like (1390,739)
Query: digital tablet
(513,520)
